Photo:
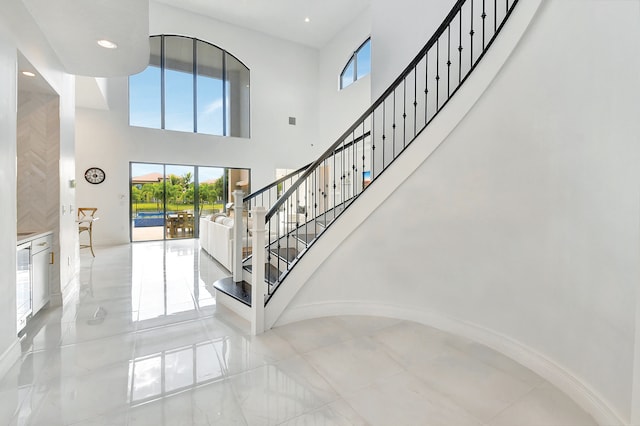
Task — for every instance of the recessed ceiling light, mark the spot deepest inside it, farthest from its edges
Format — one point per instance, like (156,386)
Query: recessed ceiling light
(107,44)
(28,73)
(307,19)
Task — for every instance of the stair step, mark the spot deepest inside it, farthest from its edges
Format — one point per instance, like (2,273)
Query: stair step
(287,253)
(304,234)
(305,238)
(307,232)
(271,273)
(240,291)
(326,218)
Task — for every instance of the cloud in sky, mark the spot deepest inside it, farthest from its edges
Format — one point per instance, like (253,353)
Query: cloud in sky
(213,107)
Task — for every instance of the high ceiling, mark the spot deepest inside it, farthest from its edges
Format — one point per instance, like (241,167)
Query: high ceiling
(72,27)
(281,18)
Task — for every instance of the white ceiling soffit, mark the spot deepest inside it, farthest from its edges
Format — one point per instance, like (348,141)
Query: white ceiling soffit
(74,26)
(91,93)
(281,18)
(32,84)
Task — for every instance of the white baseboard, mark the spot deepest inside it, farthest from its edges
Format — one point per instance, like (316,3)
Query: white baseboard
(9,357)
(555,374)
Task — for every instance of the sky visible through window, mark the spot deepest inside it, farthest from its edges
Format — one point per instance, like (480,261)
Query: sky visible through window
(178,114)
(210,114)
(145,103)
(363,59)
(358,66)
(347,75)
(144,98)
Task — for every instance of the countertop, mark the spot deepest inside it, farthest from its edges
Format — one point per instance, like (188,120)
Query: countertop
(25,237)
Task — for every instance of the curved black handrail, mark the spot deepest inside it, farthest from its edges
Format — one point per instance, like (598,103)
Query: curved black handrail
(373,106)
(370,141)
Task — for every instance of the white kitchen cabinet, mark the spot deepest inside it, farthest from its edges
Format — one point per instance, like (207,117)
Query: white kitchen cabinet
(40,263)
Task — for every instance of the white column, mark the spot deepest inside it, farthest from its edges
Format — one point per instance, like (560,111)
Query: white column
(257,271)
(238,231)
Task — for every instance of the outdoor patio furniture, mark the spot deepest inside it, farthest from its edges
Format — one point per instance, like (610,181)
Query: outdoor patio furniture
(179,222)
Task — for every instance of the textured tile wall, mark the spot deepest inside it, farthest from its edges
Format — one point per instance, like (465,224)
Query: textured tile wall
(38,156)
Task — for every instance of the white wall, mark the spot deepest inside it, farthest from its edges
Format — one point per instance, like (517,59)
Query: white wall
(284,79)
(396,37)
(18,31)
(68,255)
(339,109)
(399,30)
(8,197)
(523,225)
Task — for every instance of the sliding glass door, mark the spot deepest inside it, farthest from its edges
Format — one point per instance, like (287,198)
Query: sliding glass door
(212,196)
(167,200)
(180,208)
(147,201)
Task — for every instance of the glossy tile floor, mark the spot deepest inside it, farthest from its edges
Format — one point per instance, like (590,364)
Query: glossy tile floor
(142,343)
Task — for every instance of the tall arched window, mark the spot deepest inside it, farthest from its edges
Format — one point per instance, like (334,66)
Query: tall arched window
(191,86)
(358,66)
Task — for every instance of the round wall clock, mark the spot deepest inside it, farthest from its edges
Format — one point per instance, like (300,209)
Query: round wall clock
(94,175)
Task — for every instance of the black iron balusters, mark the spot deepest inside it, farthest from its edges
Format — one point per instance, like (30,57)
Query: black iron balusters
(332,182)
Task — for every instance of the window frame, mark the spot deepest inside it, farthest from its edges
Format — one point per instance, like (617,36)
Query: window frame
(226,110)
(354,59)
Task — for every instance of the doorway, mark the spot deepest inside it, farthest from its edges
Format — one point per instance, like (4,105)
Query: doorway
(167,200)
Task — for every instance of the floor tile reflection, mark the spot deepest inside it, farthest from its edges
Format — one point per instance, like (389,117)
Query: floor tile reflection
(140,341)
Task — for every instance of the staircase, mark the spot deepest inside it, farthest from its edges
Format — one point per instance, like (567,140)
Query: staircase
(302,206)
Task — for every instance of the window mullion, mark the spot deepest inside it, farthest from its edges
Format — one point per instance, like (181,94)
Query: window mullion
(355,66)
(195,88)
(164,197)
(224,93)
(196,201)
(162,89)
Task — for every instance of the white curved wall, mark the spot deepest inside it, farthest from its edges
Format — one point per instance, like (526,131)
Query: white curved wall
(521,229)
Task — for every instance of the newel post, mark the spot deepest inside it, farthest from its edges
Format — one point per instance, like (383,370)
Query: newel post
(238,230)
(257,271)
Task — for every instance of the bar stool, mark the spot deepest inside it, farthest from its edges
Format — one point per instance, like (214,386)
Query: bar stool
(86,217)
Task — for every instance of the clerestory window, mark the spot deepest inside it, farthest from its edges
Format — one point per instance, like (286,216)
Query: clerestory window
(191,86)
(358,66)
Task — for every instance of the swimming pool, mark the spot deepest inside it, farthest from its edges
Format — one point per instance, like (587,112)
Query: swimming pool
(144,219)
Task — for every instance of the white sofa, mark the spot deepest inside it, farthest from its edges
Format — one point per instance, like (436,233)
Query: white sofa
(216,238)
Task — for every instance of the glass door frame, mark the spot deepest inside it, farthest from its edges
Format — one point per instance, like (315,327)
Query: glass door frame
(196,194)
